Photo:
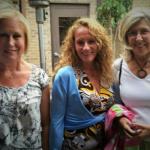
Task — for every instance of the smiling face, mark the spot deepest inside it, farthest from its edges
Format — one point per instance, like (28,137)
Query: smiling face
(12,40)
(138,38)
(85,45)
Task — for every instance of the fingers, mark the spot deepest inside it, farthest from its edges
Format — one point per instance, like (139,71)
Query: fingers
(144,130)
(129,129)
(134,130)
(130,132)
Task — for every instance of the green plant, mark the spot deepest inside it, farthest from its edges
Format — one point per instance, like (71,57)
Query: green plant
(109,12)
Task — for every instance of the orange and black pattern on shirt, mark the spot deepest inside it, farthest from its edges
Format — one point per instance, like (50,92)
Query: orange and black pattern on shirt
(95,102)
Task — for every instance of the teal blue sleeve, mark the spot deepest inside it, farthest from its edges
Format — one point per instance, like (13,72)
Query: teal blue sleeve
(58,108)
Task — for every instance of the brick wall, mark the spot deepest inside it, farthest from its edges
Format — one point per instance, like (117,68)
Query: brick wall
(33,54)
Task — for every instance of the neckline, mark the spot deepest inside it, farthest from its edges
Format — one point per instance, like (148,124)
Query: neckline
(131,73)
(22,86)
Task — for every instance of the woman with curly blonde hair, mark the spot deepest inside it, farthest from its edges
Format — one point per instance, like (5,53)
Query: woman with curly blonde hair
(81,89)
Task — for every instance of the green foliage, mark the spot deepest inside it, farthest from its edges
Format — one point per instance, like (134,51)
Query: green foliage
(109,12)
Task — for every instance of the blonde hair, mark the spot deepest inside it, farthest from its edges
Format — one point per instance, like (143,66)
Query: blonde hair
(7,12)
(131,18)
(103,60)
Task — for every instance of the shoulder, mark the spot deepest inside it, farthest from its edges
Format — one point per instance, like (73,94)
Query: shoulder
(67,70)
(117,63)
(37,70)
(40,75)
(64,74)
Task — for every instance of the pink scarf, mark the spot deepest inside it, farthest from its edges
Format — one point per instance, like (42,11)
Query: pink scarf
(117,140)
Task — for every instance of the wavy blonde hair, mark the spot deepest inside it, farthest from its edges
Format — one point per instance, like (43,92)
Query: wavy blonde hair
(103,60)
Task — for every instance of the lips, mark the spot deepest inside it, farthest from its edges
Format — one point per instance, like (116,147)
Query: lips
(9,51)
(88,53)
(140,44)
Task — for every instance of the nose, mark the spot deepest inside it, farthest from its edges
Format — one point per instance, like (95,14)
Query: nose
(11,40)
(86,46)
(139,36)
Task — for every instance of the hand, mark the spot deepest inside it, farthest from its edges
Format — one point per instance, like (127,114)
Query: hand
(145,130)
(129,128)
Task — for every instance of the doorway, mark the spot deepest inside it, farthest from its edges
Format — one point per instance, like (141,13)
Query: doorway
(62,16)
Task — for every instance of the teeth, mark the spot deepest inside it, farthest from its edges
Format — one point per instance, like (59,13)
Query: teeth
(140,44)
(85,54)
(88,53)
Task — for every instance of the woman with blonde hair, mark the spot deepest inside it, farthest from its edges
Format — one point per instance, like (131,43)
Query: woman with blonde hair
(134,76)
(81,89)
(24,88)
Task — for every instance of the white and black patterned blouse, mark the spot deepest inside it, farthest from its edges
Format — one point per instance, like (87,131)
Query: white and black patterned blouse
(20,120)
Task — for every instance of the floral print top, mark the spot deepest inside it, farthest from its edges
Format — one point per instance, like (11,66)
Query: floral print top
(20,120)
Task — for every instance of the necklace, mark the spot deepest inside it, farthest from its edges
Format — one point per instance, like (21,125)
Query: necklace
(141,73)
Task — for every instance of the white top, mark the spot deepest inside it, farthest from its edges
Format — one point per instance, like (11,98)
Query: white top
(135,93)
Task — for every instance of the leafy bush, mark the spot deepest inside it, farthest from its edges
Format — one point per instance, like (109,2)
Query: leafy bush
(109,12)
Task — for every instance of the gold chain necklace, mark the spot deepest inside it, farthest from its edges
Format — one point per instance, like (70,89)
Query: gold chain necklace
(141,73)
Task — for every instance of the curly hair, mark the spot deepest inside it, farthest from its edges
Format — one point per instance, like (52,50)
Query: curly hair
(103,60)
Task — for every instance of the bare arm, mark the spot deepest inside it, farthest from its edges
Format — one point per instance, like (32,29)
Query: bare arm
(45,117)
